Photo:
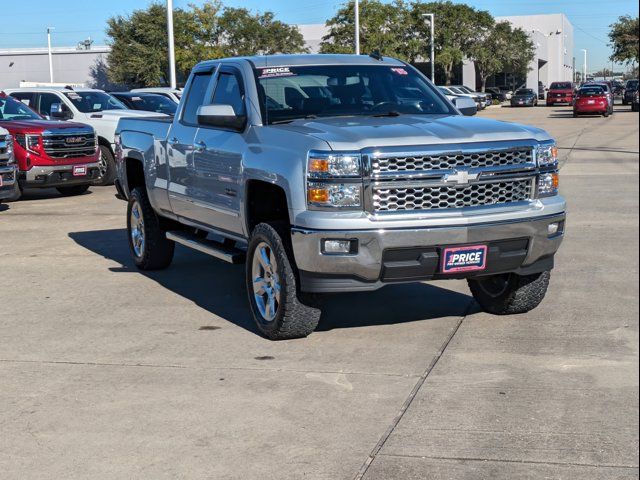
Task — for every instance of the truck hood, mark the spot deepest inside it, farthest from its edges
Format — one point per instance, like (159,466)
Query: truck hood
(356,133)
(38,126)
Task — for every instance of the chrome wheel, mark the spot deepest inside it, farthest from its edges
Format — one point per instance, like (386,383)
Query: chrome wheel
(137,230)
(103,165)
(266,282)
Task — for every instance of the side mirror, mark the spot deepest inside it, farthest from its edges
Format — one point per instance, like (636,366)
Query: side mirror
(58,112)
(221,116)
(466,105)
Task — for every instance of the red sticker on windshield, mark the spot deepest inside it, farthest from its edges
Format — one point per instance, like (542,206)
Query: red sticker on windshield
(272,72)
(400,71)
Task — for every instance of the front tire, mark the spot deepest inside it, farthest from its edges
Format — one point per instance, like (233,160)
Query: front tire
(73,191)
(106,167)
(510,294)
(147,240)
(278,308)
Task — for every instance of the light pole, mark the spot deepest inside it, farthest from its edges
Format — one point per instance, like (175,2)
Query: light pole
(357,22)
(432,23)
(50,53)
(584,66)
(172,51)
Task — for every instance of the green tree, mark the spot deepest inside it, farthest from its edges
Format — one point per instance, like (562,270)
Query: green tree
(138,42)
(519,53)
(381,27)
(458,29)
(624,40)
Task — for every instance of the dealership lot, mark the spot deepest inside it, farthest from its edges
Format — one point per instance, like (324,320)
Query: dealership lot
(109,373)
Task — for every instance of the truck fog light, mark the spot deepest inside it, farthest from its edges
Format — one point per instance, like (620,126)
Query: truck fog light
(553,228)
(333,247)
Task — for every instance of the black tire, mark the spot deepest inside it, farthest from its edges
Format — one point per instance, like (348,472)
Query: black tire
(72,191)
(575,115)
(155,251)
(17,193)
(294,316)
(606,114)
(624,102)
(510,294)
(107,167)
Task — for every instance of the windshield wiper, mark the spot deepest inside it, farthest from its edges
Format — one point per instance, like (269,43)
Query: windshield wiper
(289,120)
(390,113)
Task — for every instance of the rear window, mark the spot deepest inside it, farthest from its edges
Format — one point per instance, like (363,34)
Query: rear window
(525,91)
(591,91)
(561,86)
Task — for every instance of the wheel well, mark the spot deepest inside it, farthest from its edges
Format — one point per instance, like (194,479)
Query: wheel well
(105,143)
(135,173)
(265,203)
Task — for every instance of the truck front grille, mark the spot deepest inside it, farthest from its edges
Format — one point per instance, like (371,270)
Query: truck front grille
(447,161)
(72,145)
(449,177)
(458,196)
(4,153)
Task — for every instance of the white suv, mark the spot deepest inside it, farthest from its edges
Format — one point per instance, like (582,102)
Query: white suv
(89,106)
(174,94)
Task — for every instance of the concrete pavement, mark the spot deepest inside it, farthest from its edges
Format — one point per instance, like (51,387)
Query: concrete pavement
(109,373)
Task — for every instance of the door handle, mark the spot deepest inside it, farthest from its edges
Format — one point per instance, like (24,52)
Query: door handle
(200,147)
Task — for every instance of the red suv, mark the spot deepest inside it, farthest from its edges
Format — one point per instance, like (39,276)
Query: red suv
(592,100)
(560,92)
(49,153)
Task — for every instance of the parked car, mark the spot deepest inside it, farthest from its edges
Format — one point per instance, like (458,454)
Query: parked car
(507,90)
(89,106)
(174,94)
(592,99)
(524,97)
(8,169)
(483,95)
(466,105)
(480,99)
(497,94)
(560,92)
(630,89)
(634,103)
(608,91)
(339,188)
(62,155)
(147,102)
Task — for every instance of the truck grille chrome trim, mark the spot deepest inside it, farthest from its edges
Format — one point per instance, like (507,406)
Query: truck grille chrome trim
(69,145)
(449,177)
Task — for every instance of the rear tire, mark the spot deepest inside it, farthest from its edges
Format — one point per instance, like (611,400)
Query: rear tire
(279,310)
(107,167)
(17,193)
(147,240)
(510,294)
(73,191)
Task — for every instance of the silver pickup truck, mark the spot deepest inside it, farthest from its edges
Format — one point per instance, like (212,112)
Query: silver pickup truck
(329,174)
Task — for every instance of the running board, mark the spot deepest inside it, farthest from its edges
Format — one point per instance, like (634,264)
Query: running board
(215,249)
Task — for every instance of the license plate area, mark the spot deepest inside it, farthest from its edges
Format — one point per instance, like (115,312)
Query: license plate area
(80,171)
(470,258)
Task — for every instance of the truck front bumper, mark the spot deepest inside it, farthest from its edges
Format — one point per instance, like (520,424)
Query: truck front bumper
(8,178)
(383,256)
(58,176)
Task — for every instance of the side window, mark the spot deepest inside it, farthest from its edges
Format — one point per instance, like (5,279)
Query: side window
(229,91)
(26,98)
(196,97)
(46,100)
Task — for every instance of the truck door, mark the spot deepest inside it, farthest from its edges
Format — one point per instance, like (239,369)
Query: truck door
(217,159)
(180,145)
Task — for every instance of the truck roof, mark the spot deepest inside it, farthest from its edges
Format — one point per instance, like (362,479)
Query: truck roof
(263,61)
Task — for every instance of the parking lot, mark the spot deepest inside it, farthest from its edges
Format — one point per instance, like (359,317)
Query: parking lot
(106,372)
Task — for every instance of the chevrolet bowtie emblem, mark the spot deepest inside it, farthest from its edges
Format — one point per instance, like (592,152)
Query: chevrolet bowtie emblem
(461,177)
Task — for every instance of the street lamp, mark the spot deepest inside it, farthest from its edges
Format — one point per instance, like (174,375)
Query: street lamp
(584,66)
(357,22)
(432,22)
(50,53)
(172,51)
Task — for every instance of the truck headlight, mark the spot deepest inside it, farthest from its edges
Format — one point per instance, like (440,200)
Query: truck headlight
(548,184)
(547,155)
(9,142)
(329,164)
(334,195)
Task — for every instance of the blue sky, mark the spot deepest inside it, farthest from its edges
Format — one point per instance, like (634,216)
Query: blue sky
(75,20)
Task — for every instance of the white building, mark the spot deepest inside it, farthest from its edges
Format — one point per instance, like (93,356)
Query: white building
(552,36)
(70,65)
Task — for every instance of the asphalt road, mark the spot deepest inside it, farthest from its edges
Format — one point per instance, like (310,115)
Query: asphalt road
(107,373)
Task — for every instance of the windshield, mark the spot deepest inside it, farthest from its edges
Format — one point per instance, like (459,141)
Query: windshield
(457,90)
(11,109)
(289,93)
(525,91)
(465,89)
(561,86)
(590,91)
(152,103)
(89,102)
